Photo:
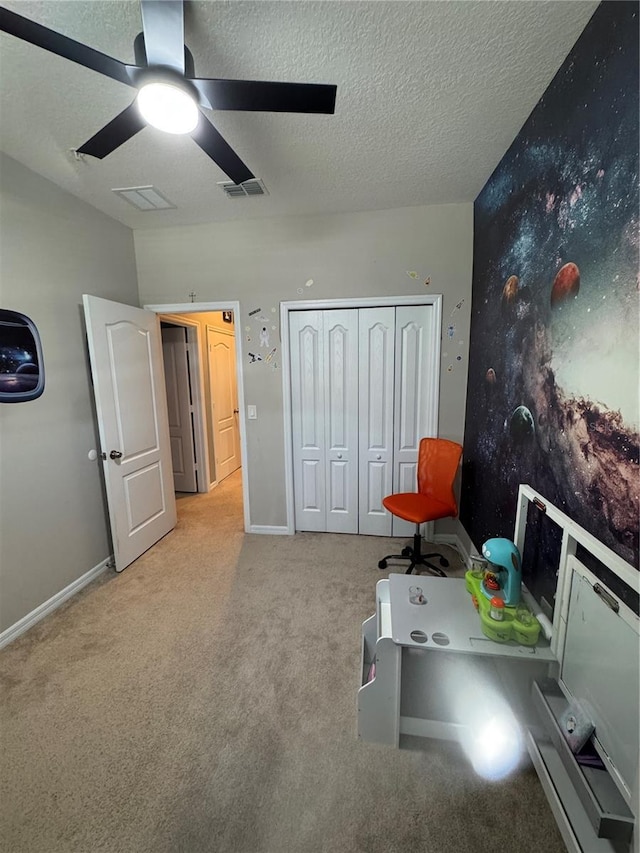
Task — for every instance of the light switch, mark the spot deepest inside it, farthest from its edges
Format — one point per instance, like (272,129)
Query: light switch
(252,414)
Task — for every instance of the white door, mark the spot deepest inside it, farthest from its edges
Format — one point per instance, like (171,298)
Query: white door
(175,352)
(307,415)
(223,383)
(340,337)
(414,405)
(324,379)
(376,380)
(359,410)
(128,382)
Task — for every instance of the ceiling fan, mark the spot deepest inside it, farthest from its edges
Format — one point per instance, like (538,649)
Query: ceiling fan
(170,96)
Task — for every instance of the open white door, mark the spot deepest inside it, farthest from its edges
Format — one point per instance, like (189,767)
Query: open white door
(180,407)
(128,382)
(224,401)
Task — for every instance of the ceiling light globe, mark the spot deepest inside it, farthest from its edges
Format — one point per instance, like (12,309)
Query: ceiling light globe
(168,108)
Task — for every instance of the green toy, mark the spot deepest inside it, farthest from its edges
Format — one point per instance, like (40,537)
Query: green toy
(512,623)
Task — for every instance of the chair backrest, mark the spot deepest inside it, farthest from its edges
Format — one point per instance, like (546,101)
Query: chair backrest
(438,460)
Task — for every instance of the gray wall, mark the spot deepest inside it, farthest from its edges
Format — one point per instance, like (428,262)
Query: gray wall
(53,525)
(266,261)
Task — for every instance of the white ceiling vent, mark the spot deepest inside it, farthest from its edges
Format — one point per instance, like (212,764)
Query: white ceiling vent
(253,186)
(144,198)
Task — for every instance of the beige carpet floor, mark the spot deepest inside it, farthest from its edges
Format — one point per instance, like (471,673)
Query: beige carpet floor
(205,700)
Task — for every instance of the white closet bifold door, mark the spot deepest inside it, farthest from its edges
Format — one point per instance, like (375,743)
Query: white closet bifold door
(376,377)
(341,420)
(308,426)
(362,397)
(414,406)
(324,394)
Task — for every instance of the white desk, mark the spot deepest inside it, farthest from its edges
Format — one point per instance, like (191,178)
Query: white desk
(406,697)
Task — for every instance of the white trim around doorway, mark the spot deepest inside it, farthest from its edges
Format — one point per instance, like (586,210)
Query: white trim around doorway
(434,299)
(229,305)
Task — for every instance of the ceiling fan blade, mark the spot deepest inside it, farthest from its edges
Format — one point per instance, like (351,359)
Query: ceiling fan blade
(163,26)
(267,97)
(220,151)
(122,127)
(36,34)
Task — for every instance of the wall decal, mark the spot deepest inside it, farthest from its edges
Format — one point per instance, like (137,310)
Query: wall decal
(264,337)
(552,395)
(253,357)
(255,311)
(412,274)
(427,282)
(21,363)
(227,316)
(309,283)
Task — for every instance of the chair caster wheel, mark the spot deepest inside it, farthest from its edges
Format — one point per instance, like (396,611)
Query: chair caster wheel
(406,552)
(444,562)
(382,564)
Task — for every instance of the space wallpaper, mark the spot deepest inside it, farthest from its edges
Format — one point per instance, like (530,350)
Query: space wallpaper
(553,397)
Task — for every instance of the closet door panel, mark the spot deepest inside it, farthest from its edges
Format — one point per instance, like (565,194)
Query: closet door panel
(376,378)
(412,380)
(341,419)
(308,426)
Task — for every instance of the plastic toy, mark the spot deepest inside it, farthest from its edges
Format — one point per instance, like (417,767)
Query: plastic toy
(517,624)
(503,577)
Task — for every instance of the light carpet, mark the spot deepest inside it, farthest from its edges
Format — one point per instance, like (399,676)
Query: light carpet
(205,700)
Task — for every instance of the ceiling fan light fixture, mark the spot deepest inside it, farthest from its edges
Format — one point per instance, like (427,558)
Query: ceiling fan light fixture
(168,107)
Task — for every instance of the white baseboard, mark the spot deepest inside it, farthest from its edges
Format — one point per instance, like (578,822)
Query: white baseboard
(462,542)
(269,529)
(52,604)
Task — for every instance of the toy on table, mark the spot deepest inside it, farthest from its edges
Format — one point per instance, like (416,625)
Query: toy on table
(495,591)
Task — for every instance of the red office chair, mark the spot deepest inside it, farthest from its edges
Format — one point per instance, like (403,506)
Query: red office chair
(438,461)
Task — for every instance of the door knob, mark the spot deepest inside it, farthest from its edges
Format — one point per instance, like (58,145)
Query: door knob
(236,411)
(115,454)
(339,455)
(378,456)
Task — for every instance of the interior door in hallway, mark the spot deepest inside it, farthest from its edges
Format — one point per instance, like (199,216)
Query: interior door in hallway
(128,383)
(221,348)
(175,352)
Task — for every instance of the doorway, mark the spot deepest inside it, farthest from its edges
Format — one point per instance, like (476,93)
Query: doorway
(202,320)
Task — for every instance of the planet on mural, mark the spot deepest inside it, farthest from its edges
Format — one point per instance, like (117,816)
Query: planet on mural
(521,425)
(490,376)
(566,284)
(510,289)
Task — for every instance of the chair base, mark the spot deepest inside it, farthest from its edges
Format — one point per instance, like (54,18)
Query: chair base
(416,557)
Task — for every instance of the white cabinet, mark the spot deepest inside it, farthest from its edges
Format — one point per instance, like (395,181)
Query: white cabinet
(363,394)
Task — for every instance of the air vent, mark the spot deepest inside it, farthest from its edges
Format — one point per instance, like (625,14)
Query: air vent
(144,198)
(252,187)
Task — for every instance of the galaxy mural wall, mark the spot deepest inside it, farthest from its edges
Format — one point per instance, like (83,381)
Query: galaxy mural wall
(553,396)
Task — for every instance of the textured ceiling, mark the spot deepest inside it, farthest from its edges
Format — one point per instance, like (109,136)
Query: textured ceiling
(430,96)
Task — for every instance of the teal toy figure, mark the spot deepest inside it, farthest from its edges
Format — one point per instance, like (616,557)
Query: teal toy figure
(503,577)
